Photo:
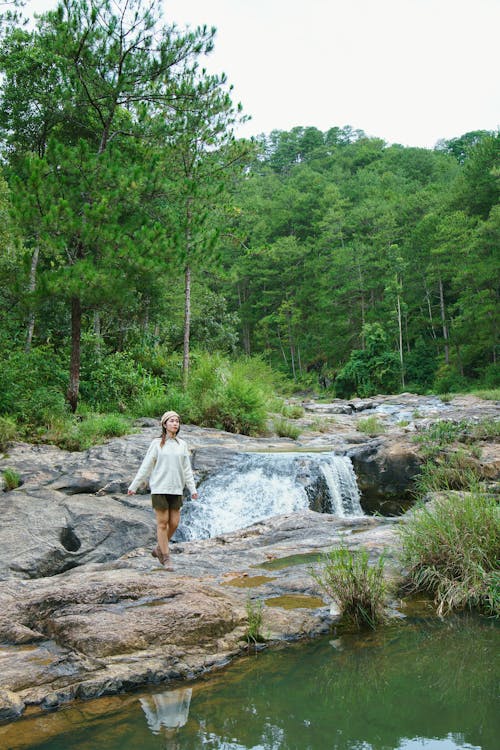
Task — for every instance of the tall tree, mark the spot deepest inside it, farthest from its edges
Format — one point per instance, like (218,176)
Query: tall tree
(113,66)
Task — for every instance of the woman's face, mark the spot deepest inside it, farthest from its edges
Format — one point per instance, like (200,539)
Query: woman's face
(172,425)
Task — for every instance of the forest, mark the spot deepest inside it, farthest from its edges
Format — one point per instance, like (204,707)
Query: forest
(147,256)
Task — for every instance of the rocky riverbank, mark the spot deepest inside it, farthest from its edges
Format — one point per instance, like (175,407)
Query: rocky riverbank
(86,611)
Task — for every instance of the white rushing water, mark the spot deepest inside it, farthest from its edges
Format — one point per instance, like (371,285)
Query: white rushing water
(261,485)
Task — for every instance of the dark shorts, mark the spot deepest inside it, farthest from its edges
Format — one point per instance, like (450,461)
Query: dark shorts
(166,502)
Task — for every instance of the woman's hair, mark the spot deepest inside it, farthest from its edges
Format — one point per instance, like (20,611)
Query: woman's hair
(164,434)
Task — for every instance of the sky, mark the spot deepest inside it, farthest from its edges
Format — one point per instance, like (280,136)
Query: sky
(407,71)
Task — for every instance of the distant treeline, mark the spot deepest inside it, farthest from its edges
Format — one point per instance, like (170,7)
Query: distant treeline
(137,233)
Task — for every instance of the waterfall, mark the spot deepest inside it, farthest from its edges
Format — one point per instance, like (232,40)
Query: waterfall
(261,485)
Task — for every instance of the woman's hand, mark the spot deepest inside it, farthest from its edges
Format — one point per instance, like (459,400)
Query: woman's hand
(130,492)
(194,496)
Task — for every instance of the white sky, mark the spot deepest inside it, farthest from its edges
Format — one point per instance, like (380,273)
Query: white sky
(407,71)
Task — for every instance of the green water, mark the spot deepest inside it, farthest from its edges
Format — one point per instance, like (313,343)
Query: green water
(417,685)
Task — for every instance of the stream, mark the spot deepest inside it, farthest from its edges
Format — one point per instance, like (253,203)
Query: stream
(417,684)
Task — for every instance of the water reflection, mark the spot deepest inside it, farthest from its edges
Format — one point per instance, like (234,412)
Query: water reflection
(412,686)
(169,710)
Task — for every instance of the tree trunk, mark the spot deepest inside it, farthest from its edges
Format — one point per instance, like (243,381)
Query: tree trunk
(400,326)
(74,369)
(187,326)
(292,345)
(245,328)
(31,288)
(443,323)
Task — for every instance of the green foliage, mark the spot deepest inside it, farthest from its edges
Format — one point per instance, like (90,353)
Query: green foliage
(285,428)
(228,395)
(78,434)
(440,433)
(32,386)
(8,432)
(111,381)
(370,425)
(372,370)
(358,587)
(451,548)
(11,479)
(448,380)
(292,411)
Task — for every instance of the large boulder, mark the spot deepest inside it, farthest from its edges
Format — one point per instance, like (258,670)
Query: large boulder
(44,532)
(386,471)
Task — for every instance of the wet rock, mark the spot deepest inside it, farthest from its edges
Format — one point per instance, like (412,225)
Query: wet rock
(386,472)
(11,705)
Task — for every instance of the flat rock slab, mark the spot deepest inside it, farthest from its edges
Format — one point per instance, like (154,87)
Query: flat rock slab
(102,628)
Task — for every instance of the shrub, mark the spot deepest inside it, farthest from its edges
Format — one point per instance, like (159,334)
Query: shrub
(8,432)
(357,587)
(375,369)
(78,435)
(11,479)
(32,386)
(448,380)
(450,549)
(111,381)
(226,395)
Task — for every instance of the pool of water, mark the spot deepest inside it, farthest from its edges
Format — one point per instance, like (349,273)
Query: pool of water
(421,684)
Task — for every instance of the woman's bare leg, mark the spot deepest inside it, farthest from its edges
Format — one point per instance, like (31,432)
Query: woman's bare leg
(173,521)
(162,528)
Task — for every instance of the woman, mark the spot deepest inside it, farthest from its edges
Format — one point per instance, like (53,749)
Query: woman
(168,468)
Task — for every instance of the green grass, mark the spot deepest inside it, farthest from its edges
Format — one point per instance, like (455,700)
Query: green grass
(292,411)
(253,632)
(11,479)
(284,428)
(92,429)
(448,471)
(370,426)
(8,432)
(321,425)
(358,588)
(490,394)
(451,548)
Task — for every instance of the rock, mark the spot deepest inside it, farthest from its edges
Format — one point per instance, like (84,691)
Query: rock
(44,532)
(386,472)
(11,705)
(105,627)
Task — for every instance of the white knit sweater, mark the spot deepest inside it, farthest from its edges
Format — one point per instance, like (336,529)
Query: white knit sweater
(168,468)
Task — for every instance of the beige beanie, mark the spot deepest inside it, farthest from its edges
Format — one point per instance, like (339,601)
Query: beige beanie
(167,416)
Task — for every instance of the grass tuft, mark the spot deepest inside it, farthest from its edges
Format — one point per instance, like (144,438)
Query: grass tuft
(370,426)
(254,633)
(358,588)
(11,479)
(284,428)
(451,548)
